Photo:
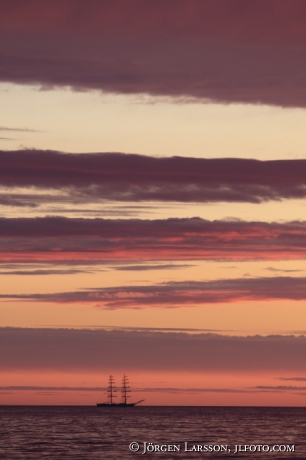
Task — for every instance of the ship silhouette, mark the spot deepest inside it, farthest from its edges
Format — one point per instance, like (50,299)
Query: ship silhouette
(125,390)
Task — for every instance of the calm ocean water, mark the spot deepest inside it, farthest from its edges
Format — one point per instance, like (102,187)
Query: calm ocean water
(104,433)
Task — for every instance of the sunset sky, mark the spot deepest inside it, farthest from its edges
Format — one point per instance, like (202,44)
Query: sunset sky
(153,201)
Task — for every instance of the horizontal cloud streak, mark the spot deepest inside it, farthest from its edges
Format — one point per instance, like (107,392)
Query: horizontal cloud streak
(23,130)
(146,267)
(43,272)
(280,388)
(90,177)
(234,51)
(176,294)
(148,390)
(53,239)
(84,350)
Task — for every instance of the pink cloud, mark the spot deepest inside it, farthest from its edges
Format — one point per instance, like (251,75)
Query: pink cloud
(53,239)
(179,294)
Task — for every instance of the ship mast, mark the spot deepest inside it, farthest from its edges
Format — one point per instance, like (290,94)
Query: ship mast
(125,389)
(111,389)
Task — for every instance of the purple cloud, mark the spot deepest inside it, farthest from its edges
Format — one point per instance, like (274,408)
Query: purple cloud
(226,52)
(57,238)
(84,350)
(178,294)
(92,177)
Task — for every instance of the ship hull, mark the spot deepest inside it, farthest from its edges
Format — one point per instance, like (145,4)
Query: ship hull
(116,405)
(119,404)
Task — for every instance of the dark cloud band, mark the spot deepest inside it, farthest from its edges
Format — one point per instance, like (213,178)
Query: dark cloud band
(91,177)
(84,350)
(58,238)
(238,51)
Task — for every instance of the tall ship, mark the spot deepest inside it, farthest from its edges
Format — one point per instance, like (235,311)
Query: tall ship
(111,394)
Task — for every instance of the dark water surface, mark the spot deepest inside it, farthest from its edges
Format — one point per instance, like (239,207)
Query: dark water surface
(103,433)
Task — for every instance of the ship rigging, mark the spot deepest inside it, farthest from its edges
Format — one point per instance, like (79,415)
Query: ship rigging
(111,394)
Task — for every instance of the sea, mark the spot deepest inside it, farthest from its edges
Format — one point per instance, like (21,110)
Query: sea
(90,433)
